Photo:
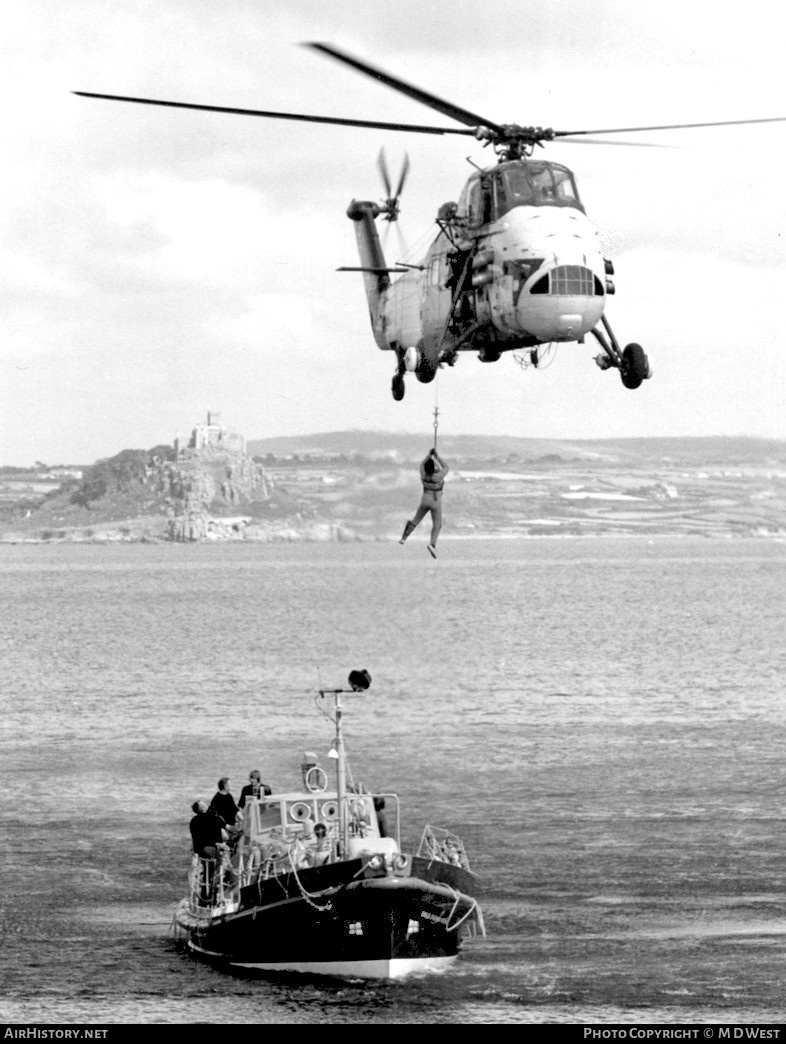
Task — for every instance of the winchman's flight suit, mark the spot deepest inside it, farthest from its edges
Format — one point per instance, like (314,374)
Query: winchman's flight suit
(431,500)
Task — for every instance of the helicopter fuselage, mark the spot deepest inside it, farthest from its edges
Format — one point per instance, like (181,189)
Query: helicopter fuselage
(516,264)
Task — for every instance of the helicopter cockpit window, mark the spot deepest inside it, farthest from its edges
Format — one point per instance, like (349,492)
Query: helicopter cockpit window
(515,188)
(473,206)
(533,183)
(564,186)
(475,203)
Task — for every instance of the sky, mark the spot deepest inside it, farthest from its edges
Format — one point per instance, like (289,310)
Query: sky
(156,264)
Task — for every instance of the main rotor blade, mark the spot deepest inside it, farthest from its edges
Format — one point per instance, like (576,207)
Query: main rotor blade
(376,124)
(376,271)
(628,144)
(671,126)
(469,119)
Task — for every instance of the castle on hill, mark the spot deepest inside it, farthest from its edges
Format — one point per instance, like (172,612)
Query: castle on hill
(211,436)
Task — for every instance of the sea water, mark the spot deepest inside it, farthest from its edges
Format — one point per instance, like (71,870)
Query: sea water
(601,721)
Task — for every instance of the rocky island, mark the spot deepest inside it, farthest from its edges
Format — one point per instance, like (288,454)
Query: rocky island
(207,488)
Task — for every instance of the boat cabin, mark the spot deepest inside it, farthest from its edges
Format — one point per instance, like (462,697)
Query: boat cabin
(281,827)
(490,194)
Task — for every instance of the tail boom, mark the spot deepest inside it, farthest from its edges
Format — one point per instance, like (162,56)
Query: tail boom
(375,275)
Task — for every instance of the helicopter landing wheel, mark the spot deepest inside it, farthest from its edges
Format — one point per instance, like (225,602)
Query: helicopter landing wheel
(634,367)
(397,387)
(426,373)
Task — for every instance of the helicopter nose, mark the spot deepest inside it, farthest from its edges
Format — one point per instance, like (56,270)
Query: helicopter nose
(569,325)
(550,313)
(551,318)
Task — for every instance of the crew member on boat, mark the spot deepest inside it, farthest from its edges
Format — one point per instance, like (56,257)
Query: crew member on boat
(382,823)
(207,834)
(320,851)
(207,831)
(253,788)
(223,804)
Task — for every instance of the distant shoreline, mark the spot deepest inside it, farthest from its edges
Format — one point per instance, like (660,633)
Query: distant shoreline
(11,539)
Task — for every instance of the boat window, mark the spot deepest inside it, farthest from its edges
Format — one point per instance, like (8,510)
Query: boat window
(533,183)
(269,817)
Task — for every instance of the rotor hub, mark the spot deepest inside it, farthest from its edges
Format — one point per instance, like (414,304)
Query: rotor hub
(512,141)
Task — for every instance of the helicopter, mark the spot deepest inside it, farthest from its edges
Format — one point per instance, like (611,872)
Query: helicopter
(516,264)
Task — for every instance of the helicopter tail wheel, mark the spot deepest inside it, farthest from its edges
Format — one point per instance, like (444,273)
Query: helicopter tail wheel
(634,367)
(397,387)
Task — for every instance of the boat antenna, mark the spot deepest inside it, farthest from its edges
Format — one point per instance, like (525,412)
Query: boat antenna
(320,693)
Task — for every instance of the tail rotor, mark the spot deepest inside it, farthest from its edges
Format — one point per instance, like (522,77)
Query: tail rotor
(390,207)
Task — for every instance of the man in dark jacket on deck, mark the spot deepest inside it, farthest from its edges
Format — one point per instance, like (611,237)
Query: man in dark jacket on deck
(255,788)
(223,804)
(207,831)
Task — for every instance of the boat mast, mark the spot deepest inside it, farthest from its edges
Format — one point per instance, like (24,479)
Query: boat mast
(341,774)
(359,682)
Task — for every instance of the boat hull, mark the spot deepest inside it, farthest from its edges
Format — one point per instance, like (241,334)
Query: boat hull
(393,968)
(369,928)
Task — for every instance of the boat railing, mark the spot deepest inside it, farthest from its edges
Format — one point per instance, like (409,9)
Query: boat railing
(280,851)
(212,882)
(444,846)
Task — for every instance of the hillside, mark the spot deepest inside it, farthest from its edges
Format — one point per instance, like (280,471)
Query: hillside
(719,450)
(364,485)
(522,487)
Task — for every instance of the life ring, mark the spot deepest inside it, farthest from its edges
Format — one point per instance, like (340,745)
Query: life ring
(330,811)
(299,811)
(316,779)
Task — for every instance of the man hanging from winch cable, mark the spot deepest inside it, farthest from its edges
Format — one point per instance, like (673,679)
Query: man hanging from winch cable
(432,474)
